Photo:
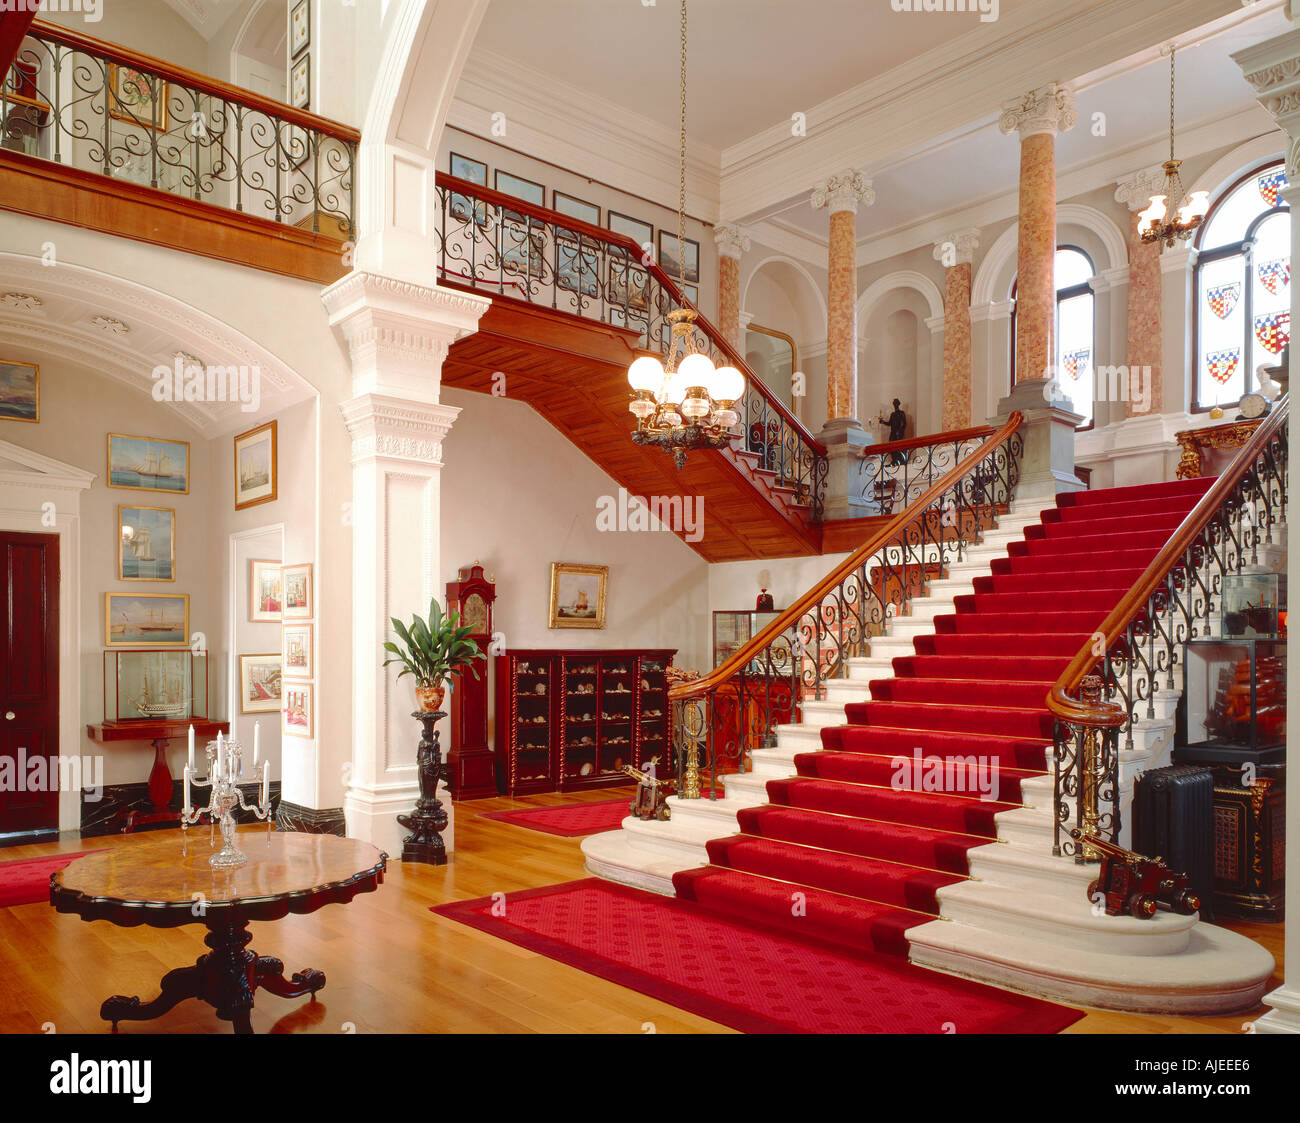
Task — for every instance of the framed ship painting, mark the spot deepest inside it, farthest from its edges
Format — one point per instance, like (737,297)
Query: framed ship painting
(146,619)
(265,592)
(259,683)
(20,392)
(146,543)
(148,464)
(255,466)
(578,595)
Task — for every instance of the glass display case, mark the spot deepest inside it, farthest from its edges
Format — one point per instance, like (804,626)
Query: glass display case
(155,684)
(1234,695)
(732,630)
(1254,604)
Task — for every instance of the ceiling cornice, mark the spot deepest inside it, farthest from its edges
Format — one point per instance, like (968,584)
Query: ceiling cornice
(946,89)
(582,132)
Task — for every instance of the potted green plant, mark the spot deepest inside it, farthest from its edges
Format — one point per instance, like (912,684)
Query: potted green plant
(432,650)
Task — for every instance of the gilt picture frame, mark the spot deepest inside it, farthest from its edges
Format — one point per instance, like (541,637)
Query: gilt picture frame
(260,683)
(265,591)
(146,619)
(299,593)
(298,714)
(20,392)
(256,467)
(148,464)
(297,653)
(146,543)
(577,595)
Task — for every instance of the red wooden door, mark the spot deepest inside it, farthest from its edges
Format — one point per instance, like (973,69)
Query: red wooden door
(29,683)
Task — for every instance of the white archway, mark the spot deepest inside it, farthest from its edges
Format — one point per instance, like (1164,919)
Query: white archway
(797,267)
(1229,167)
(900,279)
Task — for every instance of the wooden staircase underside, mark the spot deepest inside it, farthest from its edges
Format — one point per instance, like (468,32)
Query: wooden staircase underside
(573,371)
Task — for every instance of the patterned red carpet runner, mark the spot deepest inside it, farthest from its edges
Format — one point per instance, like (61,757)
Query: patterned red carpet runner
(24,881)
(860,842)
(746,976)
(568,820)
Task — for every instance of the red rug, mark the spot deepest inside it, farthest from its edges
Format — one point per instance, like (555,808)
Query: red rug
(24,881)
(745,976)
(569,820)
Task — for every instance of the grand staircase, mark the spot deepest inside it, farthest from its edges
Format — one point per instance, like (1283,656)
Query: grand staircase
(911,811)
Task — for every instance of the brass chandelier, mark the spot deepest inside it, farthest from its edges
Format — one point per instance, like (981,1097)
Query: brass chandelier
(683,402)
(1164,220)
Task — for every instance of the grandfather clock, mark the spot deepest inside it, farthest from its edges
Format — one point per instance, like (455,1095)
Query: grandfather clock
(470,772)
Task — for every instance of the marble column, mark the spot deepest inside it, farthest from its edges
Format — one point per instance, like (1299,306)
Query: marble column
(1037,116)
(731,241)
(955,253)
(1145,329)
(843,434)
(1047,463)
(397,335)
(1273,70)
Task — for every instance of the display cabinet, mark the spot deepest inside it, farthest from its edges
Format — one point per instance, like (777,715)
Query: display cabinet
(1254,605)
(567,720)
(1234,695)
(155,684)
(732,630)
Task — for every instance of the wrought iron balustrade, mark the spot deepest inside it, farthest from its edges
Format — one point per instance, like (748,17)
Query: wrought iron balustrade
(896,473)
(495,243)
(100,108)
(1112,682)
(721,718)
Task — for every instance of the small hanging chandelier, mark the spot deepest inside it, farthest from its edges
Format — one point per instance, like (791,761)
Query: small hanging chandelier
(1154,225)
(683,402)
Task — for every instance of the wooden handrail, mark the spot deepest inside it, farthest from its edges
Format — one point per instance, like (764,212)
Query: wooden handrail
(955,437)
(791,616)
(598,233)
(1109,714)
(178,74)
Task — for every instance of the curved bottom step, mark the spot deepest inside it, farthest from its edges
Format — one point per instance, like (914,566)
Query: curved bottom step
(612,856)
(1219,972)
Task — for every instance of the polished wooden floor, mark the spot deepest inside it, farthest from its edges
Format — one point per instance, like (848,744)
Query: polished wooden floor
(392,966)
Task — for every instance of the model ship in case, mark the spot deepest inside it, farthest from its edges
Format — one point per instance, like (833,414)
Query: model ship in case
(1229,717)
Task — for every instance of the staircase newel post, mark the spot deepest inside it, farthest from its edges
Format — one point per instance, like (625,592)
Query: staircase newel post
(1090,765)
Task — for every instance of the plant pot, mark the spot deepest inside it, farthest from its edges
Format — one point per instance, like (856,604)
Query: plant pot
(430,697)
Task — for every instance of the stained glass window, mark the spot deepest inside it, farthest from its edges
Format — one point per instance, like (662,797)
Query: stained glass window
(1075,336)
(1243,297)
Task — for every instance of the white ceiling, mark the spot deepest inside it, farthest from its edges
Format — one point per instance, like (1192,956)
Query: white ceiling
(752,63)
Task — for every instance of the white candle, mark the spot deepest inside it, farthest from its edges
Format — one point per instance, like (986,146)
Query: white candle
(257,727)
(185,808)
(221,754)
(191,746)
(266,785)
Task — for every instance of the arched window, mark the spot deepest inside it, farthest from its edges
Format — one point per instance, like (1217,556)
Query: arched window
(1075,329)
(1243,301)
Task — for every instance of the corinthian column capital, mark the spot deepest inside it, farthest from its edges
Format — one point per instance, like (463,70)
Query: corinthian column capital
(843,192)
(1048,109)
(957,248)
(1136,190)
(731,240)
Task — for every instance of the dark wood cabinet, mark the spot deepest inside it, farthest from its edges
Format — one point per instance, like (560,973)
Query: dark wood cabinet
(571,719)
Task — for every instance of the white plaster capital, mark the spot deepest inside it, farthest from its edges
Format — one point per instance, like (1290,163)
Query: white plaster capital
(1177,260)
(934,323)
(1048,109)
(397,332)
(843,192)
(1273,70)
(998,310)
(957,248)
(1109,279)
(731,240)
(388,428)
(1135,190)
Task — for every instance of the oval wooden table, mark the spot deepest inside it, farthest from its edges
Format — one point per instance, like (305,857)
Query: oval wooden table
(156,885)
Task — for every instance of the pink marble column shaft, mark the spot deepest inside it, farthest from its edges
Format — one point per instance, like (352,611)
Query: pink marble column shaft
(729,299)
(1145,326)
(1036,259)
(842,318)
(956,347)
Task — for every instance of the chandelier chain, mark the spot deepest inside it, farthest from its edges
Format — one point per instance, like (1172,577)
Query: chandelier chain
(681,166)
(1172,50)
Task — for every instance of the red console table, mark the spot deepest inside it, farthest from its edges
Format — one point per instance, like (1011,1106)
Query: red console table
(160,777)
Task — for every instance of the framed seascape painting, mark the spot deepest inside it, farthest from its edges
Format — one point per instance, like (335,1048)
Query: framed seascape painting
(298,661)
(671,261)
(298,592)
(20,392)
(146,543)
(642,233)
(476,172)
(577,595)
(299,711)
(265,592)
(259,683)
(255,466)
(576,208)
(146,619)
(148,464)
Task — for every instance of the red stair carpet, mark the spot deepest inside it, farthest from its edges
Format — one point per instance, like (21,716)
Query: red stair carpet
(567,820)
(839,853)
(746,976)
(24,881)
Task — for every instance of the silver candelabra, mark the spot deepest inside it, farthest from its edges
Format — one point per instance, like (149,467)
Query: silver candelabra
(224,771)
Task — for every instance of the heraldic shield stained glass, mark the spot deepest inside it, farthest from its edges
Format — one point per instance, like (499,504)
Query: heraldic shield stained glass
(1243,287)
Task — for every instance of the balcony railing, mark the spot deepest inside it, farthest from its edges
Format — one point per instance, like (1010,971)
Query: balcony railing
(100,108)
(898,472)
(495,243)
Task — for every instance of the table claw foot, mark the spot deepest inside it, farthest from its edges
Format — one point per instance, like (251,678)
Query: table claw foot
(269,974)
(176,986)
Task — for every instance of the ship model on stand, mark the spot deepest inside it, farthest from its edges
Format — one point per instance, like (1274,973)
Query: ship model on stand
(1229,716)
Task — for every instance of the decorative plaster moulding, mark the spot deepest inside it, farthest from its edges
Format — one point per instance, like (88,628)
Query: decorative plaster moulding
(388,428)
(732,241)
(35,470)
(1135,191)
(1273,70)
(23,300)
(844,191)
(1045,111)
(963,245)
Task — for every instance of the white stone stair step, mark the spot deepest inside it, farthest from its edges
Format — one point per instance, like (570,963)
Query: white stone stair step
(947,588)
(842,691)
(927,608)
(822,714)
(910,627)
(1072,926)
(776,763)
(1031,869)
(891,647)
(612,856)
(1218,971)
(685,834)
(802,738)
(746,786)
(867,670)
(719,813)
